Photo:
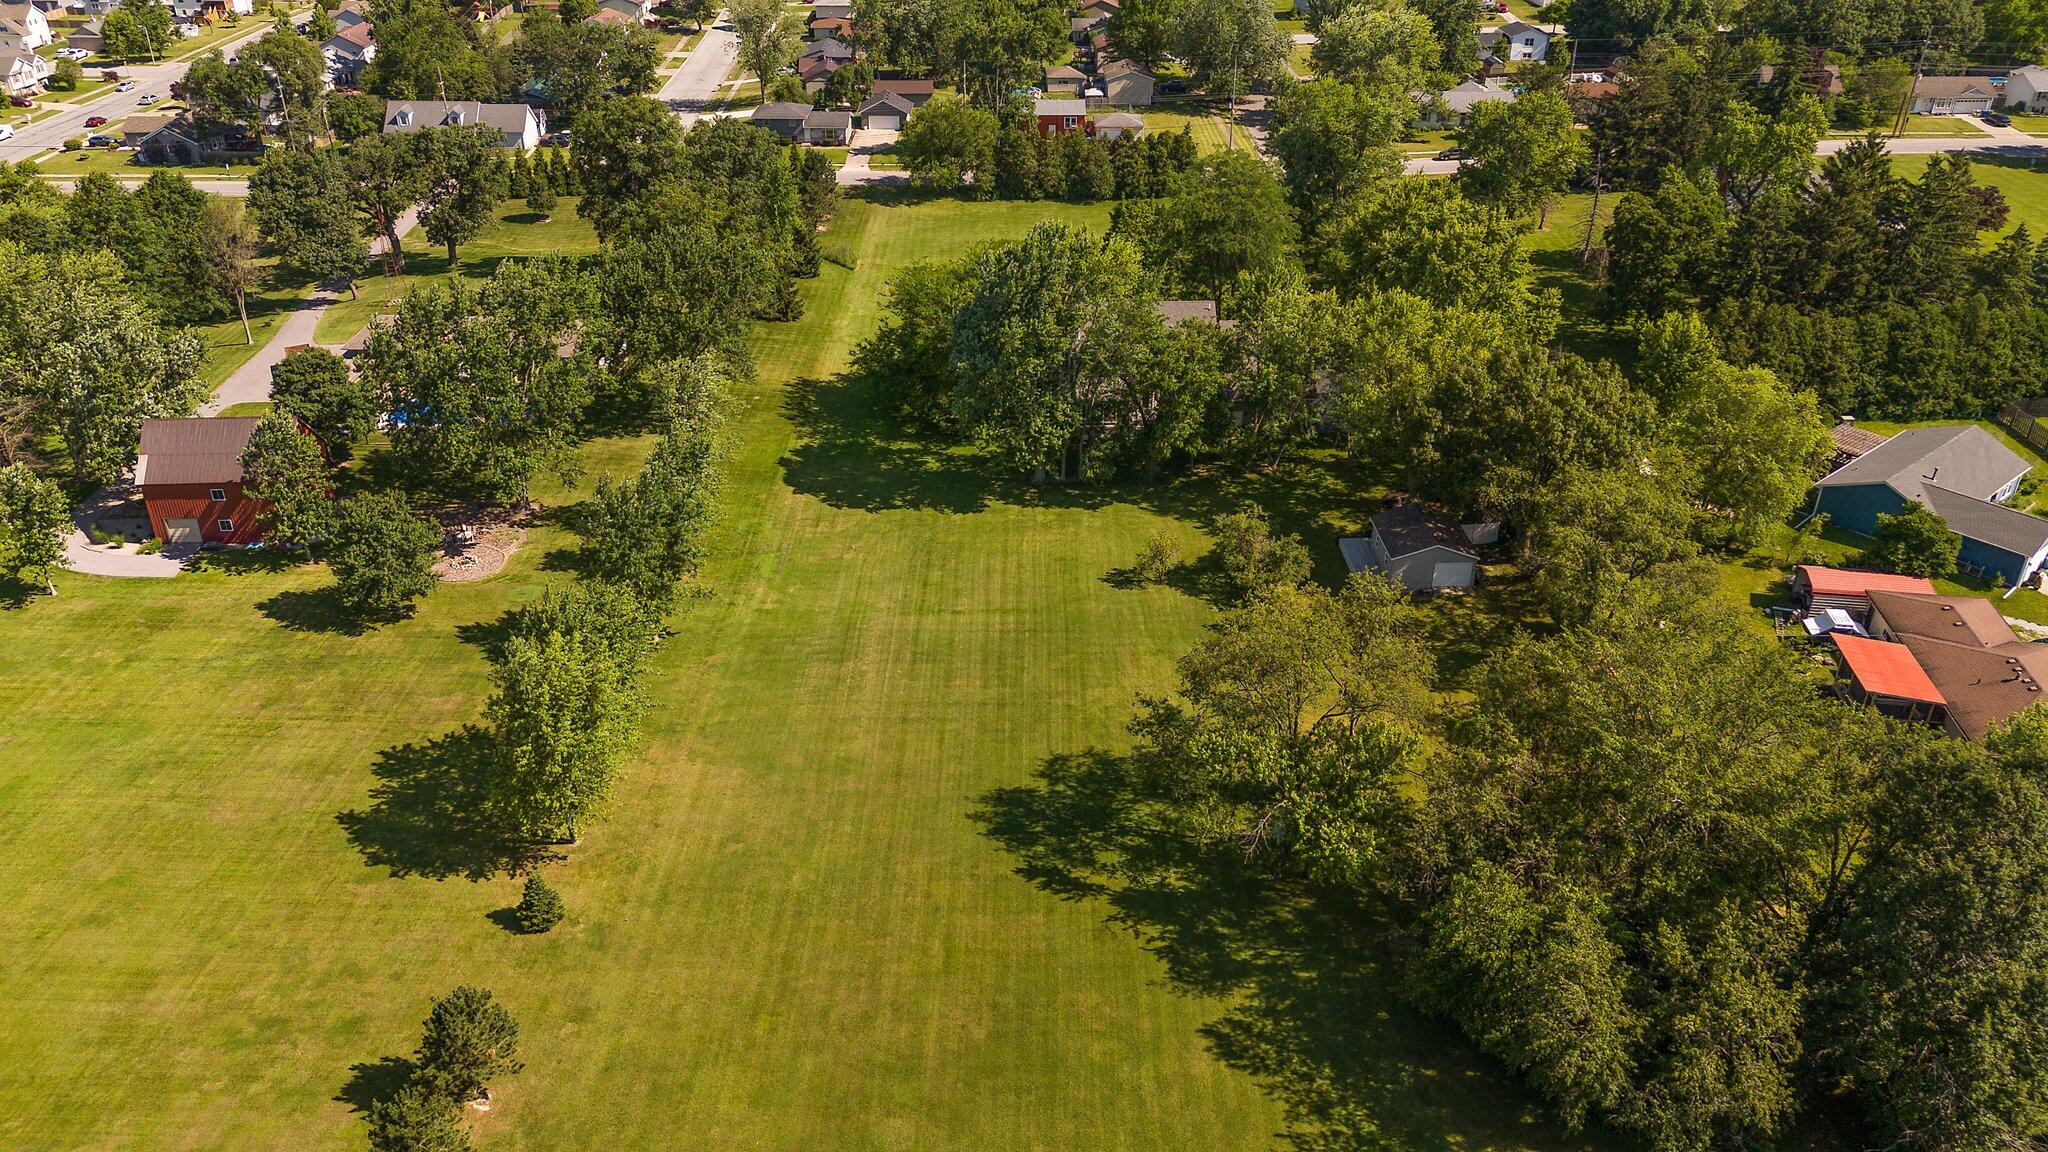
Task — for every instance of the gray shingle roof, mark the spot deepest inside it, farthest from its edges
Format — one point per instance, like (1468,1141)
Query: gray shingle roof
(1410,528)
(1994,524)
(413,115)
(1961,458)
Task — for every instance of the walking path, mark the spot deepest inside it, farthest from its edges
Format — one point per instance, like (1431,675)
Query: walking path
(250,383)
(116,508)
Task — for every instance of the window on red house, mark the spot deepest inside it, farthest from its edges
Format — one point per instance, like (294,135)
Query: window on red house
(217,495)
(225,525)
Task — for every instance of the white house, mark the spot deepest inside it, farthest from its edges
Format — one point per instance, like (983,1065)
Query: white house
(1520,40)
(211,10)
(518,125)
(2027,88)
(347,52)
(22,73)
(23,27)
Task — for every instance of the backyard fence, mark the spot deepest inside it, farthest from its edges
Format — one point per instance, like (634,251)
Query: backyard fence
(2025,420)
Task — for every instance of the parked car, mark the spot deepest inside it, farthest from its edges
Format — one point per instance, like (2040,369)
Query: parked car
(1996,119)
(125,86)
(100,140)
(95,121)
(146,101)
(6,131)
(21,101)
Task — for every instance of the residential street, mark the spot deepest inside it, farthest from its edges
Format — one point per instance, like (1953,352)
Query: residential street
(693,91)
(150,80)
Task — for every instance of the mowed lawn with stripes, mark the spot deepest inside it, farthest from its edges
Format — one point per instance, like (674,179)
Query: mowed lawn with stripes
(234,873)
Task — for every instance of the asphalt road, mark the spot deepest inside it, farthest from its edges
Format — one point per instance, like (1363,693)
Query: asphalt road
(150,80)
(694,87)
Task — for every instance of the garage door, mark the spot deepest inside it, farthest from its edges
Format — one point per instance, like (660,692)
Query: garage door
(1458,575)
(184,532)
(886,123)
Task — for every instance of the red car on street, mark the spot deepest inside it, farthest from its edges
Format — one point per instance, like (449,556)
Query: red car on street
(95,121)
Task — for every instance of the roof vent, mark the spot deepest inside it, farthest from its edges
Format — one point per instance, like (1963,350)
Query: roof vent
(1948,607)
(2033,687)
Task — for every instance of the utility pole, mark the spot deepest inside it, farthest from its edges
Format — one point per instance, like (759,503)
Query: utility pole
(1906,105)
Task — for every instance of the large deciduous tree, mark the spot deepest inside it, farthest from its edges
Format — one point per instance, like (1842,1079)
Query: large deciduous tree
(302,208)
(34,518)
(1519,156)
(381,553)
(316,386)
(565,709)
(465,180)
(284,467)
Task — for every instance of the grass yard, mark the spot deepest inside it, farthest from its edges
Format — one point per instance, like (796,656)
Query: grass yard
(1203,118)
(515,232)
(122,162)
(2025,185)
(232,884)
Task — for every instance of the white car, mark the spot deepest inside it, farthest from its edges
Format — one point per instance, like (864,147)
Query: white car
(146,101)
(6,131)
(100,140)
(125,86)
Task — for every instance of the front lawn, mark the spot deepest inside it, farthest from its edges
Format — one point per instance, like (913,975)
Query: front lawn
(232,881)
(1201,116)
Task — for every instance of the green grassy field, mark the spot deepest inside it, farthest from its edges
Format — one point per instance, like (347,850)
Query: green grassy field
(232,881)
(1203,118)
(2025,186)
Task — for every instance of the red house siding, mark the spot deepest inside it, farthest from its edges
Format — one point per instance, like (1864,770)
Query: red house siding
(195,502)
(1050,124)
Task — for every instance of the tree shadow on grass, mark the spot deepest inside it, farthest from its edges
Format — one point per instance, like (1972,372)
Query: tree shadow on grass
(370,1084)
(852,453)
(1315,1014)
(428,814)
(313,610)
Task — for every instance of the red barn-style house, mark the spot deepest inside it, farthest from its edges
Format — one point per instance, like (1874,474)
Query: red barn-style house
(190,475)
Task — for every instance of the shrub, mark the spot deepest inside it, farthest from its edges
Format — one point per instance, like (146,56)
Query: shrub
(417,1118)
(100,534)
(540,907)
(152,546)
(1915,542)
(1253,558)
(74,144)
(541,199)
(1155,560)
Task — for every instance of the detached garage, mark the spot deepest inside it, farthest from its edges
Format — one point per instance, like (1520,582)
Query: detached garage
(1417,547)
(190,475)
(887,112)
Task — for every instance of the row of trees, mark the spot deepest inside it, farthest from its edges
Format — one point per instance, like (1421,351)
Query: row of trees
(1866,289)
(951,144)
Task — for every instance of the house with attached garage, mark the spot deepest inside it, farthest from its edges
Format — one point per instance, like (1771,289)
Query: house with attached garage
(1960,473)
(1945,95)
(189,473)
(1419,548)
(1126,84)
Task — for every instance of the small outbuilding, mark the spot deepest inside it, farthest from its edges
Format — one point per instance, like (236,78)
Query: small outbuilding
(885,112)
(1416,546)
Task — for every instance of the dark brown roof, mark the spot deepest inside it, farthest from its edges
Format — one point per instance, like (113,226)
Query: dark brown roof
(192,451)
(1957,619)
(916,91)
(1982,686)
(1410,528)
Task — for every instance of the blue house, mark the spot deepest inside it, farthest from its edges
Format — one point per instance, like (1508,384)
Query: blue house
(1960,473)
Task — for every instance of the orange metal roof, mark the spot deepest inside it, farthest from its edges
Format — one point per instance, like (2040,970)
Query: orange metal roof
(1852,582)
(1883,669)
